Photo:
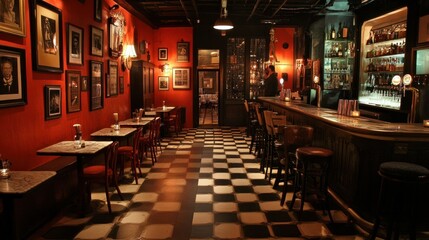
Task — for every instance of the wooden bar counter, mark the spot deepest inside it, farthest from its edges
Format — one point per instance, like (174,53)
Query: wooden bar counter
(360,144)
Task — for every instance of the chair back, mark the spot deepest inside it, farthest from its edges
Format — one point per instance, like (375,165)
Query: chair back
(246,106)
(136,140)
(259,111)
(295,136)
(157,128)
(111,158)
(269,125)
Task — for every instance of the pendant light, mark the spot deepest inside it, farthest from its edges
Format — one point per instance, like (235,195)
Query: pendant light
(223,23)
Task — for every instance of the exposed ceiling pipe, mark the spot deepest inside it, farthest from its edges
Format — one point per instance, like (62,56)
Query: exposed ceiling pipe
(266,6)
(254,9)
(278,9)
(186,12)
(196,11)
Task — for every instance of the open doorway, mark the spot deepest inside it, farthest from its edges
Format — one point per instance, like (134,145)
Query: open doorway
(208,97)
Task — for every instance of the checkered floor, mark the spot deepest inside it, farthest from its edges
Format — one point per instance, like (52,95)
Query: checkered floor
(205,185)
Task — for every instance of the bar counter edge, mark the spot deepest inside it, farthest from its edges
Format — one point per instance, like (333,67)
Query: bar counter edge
(360,145)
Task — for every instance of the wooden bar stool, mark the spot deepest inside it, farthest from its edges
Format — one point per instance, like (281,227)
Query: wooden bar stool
(273,143)
(401,185)
(312,163)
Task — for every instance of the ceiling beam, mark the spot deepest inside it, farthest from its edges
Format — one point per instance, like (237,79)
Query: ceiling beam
(254,9)
(278,9)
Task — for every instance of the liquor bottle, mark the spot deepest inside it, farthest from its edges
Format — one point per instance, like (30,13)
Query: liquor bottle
(340,31)
(340,50)
(345,31)
(333,33)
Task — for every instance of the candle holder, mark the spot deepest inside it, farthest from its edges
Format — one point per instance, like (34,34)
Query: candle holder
(116,126)
(78,135)
(4,168)
(425,123)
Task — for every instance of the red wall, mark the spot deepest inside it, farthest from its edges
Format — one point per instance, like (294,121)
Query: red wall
(24,129)
(285,56)
(168,38)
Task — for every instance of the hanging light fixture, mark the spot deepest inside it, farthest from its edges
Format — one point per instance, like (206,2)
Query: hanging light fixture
(223,23)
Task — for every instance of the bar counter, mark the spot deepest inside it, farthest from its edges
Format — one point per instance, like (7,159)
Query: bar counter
(360,145)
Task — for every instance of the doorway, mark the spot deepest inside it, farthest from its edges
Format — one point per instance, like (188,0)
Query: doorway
(208,99)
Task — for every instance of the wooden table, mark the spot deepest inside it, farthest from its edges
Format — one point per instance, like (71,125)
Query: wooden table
(133,123)
(18,184)
(66,148)
(114,135)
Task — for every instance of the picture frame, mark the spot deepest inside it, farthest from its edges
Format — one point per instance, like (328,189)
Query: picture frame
(74,44)
(84,83)
(96,85)
(47,40)
(97,41)
(116,30)
(208,79)
(423,36)
(181,78)
(13,69)
(98,10)
(143,45)
(121,84)
(52,95)
(14,20)
(163,82)
(183,52)
(162,54)
(73,86)
(112,79)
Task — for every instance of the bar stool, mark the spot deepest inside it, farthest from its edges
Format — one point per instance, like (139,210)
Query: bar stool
(252,123)
(312,163)
(399,190)
(273,143)
(261,136)
(294,136)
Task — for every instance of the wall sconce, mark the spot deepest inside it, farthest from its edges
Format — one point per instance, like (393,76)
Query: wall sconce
(129,53)
(165,68)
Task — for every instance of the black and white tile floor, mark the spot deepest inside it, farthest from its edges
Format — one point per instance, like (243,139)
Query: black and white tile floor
(205,185)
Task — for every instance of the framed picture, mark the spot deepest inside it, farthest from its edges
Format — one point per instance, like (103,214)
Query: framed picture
(97,41)
(47,37)
(96,85)
(12,19)
(52,101)
(13,87)
(207,79)
(143,45)
(181,78)
(163,83)
(121,84)
(98,7)
(112,79)
(116,30)
(162,54)
(84,83)
(73,91)
(183,52)
(74,44)
(424,29)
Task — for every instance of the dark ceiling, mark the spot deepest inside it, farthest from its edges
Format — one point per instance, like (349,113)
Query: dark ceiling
(185,13)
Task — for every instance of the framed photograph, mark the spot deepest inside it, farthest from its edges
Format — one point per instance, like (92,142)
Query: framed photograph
(121,84)
(183,52)
(98,7)
(73,91)
(47,40)
(424,29)
(84,83)
(97,41)
(12,19)
(181,78)
(143,45)
(13,87)
(162,54)
(112,79)
(52,101)
(163,83)
(207,79)
(96,85)
(74,44)
(116,30)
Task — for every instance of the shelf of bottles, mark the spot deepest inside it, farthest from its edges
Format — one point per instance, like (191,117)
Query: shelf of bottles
(339,58)
(383,58)
(235,69)
(257,55)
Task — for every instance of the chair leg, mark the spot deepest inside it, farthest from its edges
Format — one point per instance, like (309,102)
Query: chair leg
(106,188)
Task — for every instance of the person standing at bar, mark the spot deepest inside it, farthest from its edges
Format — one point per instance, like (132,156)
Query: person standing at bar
(271,83)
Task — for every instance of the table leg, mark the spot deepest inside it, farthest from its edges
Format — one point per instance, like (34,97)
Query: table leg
(9,222)
(83,200)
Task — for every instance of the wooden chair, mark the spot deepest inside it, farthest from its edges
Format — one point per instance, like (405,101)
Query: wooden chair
(105,174)
(149,141)
(173,121)
(132,153)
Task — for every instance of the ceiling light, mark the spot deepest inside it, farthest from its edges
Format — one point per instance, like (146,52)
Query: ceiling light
(223,23)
